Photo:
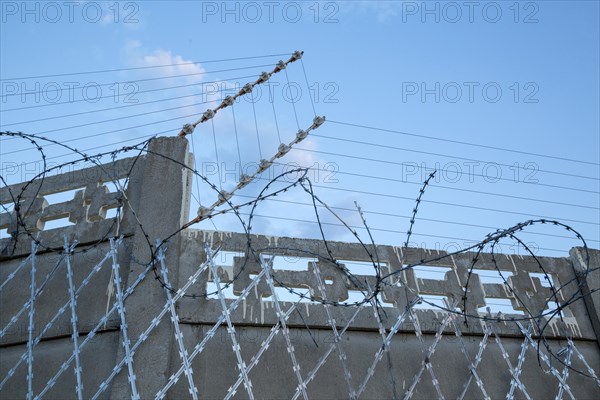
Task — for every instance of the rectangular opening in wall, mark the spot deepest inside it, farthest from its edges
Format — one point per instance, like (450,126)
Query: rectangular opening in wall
(212,291)
(225,258)
(545,281)
(366,268)
(356,296)
(116,185)
(431,272)
(62,197)
(112,213)
(288,262)
(492,276)
(6,208)
(430,301)
(552,306)
(57,223)
(499,305)
(283,294)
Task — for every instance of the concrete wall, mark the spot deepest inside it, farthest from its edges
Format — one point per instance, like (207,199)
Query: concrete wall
(428,346)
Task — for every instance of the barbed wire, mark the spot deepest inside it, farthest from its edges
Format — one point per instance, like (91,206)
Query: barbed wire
(246,89)
(24,197)
(540,318)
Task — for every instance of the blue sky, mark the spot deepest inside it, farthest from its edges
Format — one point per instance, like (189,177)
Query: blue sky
(521,76)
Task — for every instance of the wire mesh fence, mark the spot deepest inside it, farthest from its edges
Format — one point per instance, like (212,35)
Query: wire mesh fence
(98,309)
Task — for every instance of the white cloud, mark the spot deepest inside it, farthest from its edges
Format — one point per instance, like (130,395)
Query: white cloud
(168,82)
(165,63)
(304,158)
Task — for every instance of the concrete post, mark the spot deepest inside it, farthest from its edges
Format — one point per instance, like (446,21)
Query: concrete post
(161,208)
(589,277)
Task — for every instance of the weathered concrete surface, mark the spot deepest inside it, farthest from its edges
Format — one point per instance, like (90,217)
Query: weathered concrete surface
(163,191)
(300,275)
(86,209)
(91,302)
(273,377)
(97,360)
(158,198)
(155,195)
(589,278)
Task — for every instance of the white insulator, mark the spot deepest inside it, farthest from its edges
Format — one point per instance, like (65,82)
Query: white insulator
(188,129)
(301,135)
(264,77)
(203,211)
(224,195)
(228,100)
(247,88)
(297,55)
(281,64)
(245,179)
(208,114)
(283,149)
(264,164)
(318,121)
